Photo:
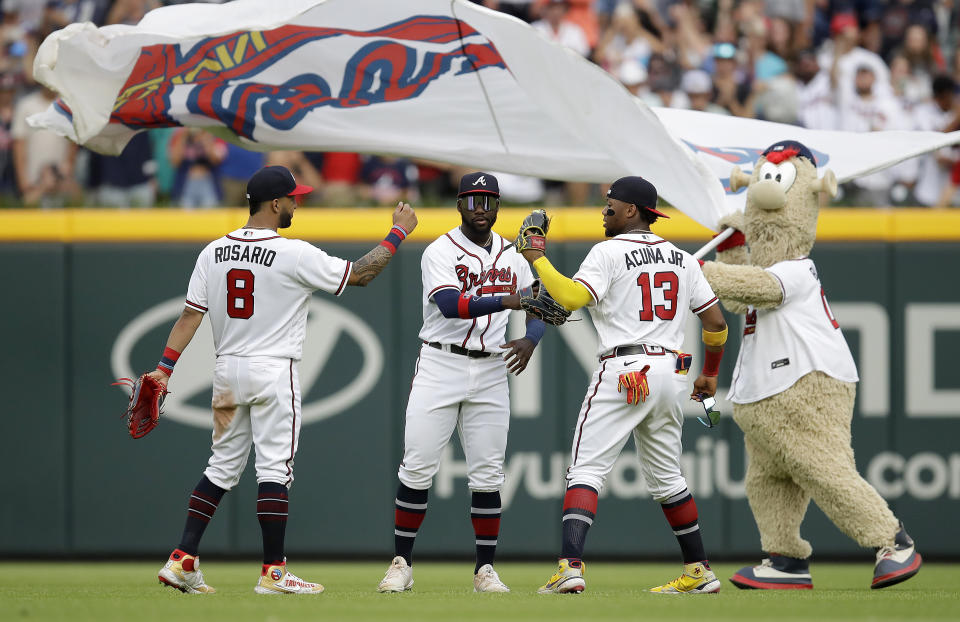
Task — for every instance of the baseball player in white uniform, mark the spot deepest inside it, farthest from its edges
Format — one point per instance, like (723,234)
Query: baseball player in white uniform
(255,285)
(640,290)
(471,276)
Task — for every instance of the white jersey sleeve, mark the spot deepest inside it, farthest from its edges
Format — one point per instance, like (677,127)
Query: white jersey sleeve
(594,273)
(701,294)
(438,271)
(318,270)
(797,280)
(197,296)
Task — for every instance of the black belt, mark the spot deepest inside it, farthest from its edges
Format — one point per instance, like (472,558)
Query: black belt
(474,354)
(636,349)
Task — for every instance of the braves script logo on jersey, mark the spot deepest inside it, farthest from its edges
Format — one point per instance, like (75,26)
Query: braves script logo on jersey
(232,83)
(492,281)
(744,157)
(327,325)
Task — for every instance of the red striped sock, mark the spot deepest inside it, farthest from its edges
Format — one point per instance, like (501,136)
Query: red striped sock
(681,513)
(579,511)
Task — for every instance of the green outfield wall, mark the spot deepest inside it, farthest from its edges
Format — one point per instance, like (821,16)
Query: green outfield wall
(79,314)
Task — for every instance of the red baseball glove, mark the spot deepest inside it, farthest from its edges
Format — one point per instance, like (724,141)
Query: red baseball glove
(636,383)
(146,404)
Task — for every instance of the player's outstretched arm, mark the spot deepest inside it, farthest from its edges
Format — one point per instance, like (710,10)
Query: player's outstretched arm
(569,293)
(714,336)
(180,336)
(370,265)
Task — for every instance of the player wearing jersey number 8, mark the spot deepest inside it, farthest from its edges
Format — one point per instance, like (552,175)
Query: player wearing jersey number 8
(640,290)
(255,285)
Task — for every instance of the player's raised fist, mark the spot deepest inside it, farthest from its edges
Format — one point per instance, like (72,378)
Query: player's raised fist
(404,216)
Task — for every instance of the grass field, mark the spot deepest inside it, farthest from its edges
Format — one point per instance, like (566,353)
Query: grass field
(129,591)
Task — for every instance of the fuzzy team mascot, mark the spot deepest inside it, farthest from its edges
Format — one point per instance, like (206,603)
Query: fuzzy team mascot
(795,380)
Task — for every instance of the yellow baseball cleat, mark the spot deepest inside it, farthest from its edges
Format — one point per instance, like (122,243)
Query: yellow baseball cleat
(696,579)
(568,579)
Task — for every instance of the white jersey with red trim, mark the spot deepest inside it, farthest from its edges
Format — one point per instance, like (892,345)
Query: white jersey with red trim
(642,289)
(454,262)
(255,285)
(782,345)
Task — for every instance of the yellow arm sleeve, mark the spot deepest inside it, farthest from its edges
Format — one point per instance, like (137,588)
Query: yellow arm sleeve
(569,293)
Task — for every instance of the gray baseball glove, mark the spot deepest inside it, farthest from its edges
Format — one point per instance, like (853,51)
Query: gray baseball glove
(533,232)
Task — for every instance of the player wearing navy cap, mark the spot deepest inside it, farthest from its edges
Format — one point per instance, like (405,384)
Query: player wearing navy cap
(254,286)
(470,279)
(640,290)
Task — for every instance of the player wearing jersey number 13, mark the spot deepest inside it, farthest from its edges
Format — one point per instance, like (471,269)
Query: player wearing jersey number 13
(640,290)
(255,285)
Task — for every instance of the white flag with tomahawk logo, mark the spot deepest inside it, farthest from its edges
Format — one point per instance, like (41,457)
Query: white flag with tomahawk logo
(439,79)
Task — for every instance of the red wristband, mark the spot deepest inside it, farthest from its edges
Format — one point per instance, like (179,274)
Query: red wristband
(168,360)
(733,241)
(393,239)
(463,306)
(711,363)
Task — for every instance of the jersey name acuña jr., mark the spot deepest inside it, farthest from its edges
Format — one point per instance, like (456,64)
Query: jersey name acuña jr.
(643,272)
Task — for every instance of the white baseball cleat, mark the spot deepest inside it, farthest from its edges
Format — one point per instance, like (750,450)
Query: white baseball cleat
(398,578)
(277,579)
(487,580)
(182,572)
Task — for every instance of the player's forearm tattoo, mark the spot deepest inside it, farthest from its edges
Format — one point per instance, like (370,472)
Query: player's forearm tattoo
(370,265)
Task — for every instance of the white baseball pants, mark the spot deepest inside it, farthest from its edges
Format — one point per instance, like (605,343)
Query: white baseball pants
(453,391)
(606,421)
(255,400)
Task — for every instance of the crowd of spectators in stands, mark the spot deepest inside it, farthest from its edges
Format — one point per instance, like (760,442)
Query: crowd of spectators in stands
(857,65)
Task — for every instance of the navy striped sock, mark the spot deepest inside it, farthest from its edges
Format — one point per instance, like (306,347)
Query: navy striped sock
(681,513)
(272,509)
(579,510)
(485,515)
(202,504)
(409,512)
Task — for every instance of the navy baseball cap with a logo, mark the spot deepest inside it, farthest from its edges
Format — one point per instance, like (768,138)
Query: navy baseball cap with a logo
(786,149)
(484,183)
(273,182)
(636,190)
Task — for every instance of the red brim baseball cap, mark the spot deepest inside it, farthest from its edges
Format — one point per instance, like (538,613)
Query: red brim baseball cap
(273,182)
(636,190)
(301,189)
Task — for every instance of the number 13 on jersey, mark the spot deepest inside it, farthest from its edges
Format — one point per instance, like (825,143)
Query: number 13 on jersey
(665,287)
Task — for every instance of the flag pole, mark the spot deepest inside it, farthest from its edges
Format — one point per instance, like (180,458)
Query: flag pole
(715,242)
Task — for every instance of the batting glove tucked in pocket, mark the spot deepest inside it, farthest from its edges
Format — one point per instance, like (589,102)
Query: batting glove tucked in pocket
(636,383)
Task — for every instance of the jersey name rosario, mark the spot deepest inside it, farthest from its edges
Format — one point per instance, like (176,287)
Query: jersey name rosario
(244,252)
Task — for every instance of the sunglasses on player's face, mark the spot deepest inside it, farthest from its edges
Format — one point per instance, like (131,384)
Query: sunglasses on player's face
(485,202)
